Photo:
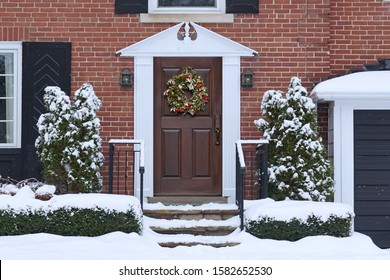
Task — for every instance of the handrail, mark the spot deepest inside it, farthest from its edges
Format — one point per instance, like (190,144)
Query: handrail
(140,142)
(241,169)
(239,144)
(132,141)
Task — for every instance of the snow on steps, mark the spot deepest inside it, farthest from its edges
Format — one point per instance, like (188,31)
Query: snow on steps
(210,224)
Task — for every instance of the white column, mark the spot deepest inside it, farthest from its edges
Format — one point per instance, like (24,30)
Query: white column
(337,152)
(143,116)
(230,123)
(343,153)
(347,146)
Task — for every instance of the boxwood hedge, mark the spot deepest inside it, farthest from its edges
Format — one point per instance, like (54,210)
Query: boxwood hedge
(295,229)
(68,221)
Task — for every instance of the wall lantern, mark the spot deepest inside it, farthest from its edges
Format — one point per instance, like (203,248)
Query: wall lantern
(247,78)
(126,78)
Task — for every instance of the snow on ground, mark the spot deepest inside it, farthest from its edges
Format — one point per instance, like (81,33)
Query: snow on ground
(118,245)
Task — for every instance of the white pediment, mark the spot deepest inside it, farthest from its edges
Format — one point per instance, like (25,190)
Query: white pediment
(179,40)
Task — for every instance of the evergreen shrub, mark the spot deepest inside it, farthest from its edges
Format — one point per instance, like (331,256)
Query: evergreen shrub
(295,229)
(298,166)
(69,143)
(68,221)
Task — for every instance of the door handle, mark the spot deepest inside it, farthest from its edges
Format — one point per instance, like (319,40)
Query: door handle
(217,129)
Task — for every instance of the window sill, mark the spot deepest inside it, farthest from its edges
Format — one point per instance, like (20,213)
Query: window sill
(176,18)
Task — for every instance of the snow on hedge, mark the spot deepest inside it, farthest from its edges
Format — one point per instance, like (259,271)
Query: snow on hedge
(25,200)
(287,210)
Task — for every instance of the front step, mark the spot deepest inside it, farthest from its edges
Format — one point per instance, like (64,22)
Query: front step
(208,225)
(190,244)
(198,230)
(195,214)
(192,200)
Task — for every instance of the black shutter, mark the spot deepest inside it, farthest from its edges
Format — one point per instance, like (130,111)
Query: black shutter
(131,6)
(44,64)
(242,6)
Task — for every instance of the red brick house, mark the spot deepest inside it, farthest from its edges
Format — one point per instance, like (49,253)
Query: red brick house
(69,42)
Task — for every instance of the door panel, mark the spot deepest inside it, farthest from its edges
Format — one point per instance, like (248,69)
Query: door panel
(201,141)
(188,160)
(171,144)
(372,175)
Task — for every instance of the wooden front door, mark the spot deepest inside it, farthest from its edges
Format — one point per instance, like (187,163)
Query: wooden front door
(188,149)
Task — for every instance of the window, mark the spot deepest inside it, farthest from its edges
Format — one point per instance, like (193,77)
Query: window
(10,94)
(187,6)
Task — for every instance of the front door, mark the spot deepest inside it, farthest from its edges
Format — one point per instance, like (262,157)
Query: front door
(188,149)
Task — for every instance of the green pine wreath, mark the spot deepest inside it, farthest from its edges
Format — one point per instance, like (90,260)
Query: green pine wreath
(188,81)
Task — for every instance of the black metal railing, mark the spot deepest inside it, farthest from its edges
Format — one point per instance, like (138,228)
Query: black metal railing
(125,156)
(251,172)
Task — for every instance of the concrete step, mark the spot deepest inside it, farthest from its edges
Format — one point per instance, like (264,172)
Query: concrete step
(171,241)
(187,225)
(196,230)
(183,200)
(174,244)
(193,214)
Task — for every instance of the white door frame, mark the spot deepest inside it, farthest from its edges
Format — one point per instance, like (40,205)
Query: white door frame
(143,119)
(207,44)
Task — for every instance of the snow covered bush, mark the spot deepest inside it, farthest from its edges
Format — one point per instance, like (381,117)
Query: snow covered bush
(82,154)
(293,220)
(298,168)
(69,142)
(70,214)
(51,141)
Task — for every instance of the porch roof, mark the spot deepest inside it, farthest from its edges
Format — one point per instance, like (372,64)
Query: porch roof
(207,43)
(371,85)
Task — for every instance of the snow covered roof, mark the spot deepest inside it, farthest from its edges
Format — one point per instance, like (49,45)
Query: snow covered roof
(362,85)
(167,43)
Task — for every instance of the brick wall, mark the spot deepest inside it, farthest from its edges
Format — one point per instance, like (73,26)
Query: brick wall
(292,40)
(311,39)
(360,33)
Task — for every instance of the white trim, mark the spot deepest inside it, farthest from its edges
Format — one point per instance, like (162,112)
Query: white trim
(16,49)
(230,123)
(207,44)
(154,9)
(174,18)
(344,145)
(143,122)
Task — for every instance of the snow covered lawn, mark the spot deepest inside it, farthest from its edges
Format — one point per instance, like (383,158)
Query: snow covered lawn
(121,246)
(118,245)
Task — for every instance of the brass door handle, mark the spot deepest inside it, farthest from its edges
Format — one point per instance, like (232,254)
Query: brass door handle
(217,129)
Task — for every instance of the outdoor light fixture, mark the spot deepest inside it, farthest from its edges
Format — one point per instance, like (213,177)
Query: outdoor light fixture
(247,78)
(126,78)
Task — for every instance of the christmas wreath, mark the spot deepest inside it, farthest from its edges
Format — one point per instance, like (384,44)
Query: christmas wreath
(187,82)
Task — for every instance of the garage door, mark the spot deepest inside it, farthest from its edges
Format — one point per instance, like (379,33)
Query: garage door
(372,174)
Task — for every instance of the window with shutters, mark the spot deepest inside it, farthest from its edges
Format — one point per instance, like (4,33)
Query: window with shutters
(187,10)
(10,94)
